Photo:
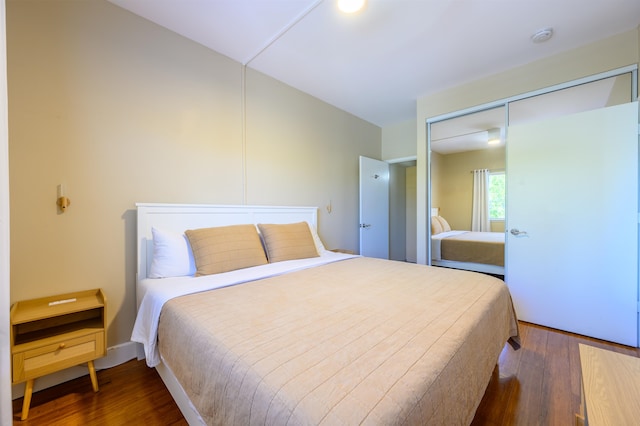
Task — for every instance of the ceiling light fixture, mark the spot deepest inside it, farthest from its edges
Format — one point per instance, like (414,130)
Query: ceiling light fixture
(351,6)
(542,35)
(494,136)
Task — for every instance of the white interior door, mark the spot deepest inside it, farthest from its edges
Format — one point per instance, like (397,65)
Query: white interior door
(572,187)
(374,208)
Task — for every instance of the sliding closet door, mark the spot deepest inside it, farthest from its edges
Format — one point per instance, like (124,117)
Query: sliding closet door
(572,226)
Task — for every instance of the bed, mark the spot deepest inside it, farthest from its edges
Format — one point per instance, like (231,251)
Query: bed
(472,251)
(325,338)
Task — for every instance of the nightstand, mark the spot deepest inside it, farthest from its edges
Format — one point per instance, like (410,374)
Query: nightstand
(57,332)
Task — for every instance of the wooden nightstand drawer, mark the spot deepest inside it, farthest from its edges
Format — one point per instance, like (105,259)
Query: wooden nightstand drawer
(66,353)
(56,332)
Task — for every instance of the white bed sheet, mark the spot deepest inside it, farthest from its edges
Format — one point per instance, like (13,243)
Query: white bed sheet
(154,293)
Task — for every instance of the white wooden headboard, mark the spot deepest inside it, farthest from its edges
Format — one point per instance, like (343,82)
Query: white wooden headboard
(180,217)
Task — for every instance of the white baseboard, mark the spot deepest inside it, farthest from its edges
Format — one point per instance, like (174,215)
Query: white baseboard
(116,355)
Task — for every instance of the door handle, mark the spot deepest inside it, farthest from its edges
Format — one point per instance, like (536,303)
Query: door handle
(516,232)
(365,225)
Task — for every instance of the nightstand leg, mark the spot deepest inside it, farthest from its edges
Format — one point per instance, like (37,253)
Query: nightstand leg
(94,378)
(28,390)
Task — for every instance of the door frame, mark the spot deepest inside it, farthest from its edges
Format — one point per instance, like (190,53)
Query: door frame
(6,412)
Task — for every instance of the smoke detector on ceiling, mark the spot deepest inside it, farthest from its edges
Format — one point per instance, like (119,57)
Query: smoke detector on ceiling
(542,35)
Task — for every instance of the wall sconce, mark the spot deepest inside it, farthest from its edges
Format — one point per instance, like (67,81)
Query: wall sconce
(63,202)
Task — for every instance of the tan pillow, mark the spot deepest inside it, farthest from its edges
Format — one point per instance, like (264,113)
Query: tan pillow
(287,242)
(444,224)
(436,226)
(226,248)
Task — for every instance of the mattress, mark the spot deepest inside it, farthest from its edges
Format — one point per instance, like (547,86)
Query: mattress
(356,341)
(465,246)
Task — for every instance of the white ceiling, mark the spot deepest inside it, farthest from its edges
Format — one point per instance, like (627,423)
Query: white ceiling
(376,63)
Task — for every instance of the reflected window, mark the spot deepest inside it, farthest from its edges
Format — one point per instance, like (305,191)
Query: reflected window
(496,196)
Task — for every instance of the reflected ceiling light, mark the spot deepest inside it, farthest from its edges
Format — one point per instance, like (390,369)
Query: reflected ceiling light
(494,136)
(351,6)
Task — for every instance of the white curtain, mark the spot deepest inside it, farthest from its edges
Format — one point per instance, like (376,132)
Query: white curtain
(480,213)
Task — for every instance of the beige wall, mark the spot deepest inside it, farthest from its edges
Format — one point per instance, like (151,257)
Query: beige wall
(399,140)
(456,183)
(611,53)
(120,111)
(436,178)
(301,151)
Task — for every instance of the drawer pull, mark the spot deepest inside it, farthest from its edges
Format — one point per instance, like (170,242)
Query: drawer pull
(61,346)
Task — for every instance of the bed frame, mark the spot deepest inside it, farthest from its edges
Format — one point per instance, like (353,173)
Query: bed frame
(180,217)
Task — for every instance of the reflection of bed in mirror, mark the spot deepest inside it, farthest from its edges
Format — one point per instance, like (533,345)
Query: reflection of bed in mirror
(472,251)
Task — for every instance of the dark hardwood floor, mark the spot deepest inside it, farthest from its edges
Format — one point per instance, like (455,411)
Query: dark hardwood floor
(540,383)
(130,394)
(536,385)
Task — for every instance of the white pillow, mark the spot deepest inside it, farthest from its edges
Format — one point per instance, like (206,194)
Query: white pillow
(172,255)
(316,239)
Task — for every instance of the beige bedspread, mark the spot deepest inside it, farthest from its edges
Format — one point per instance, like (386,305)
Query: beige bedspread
(477,247)
(360,341)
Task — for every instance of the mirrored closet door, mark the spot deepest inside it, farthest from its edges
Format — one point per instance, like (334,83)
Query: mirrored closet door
(468,191)
(570,226)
